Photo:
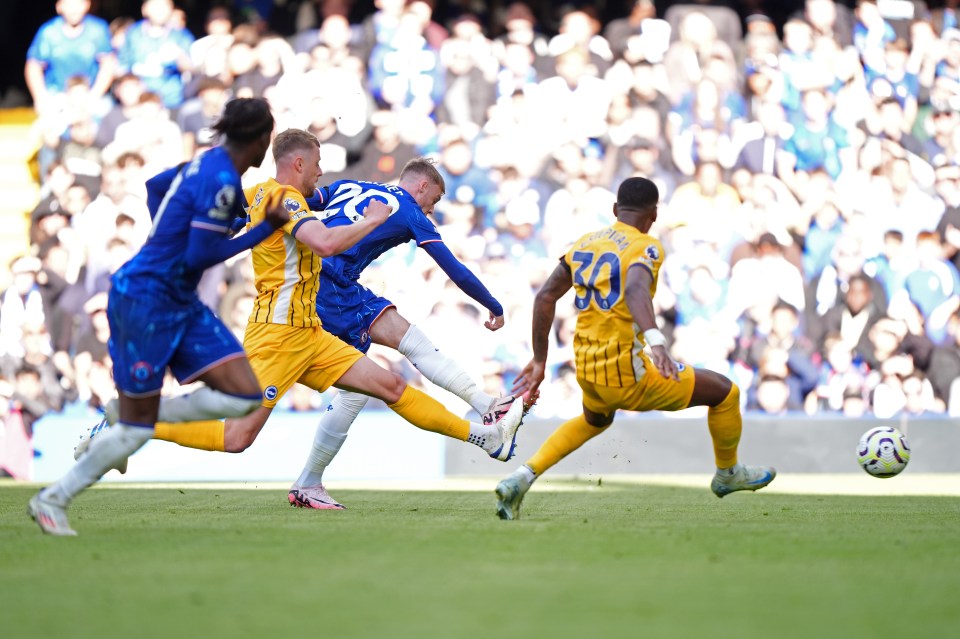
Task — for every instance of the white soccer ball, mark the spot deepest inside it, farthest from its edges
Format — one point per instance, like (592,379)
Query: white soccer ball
(883,451)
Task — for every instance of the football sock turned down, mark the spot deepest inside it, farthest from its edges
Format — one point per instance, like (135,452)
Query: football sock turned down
(725,424)
(441,370)
(425,412)
(330,435)
(206,435)
(107,450)
(206,403)
(568,437)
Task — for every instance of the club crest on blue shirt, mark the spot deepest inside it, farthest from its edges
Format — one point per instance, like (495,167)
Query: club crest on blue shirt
(291,205)
(652,252)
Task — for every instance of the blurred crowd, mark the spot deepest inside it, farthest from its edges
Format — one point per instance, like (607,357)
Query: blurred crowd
(809,176)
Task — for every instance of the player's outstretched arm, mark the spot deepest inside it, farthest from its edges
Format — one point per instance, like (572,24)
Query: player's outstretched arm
(327,241)
(544,311)
(207,247)
(466,281)
(640,303)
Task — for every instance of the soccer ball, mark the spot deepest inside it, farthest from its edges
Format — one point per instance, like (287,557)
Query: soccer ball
(883,451)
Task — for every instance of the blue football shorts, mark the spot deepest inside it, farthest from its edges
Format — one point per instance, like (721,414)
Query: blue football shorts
(348,310)
(147,336)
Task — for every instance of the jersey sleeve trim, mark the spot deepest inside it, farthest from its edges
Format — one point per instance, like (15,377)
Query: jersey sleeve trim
(296,226)
(198,224)
(646,267)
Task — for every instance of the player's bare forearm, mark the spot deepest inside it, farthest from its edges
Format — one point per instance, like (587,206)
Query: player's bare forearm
(33,74)
(640,303)
(637,295)
(104,79)
(545,309)
(326,241)
(340,238)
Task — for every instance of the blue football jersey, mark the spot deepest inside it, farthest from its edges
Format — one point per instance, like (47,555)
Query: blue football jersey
(65,56)
(206,194)
(343,202)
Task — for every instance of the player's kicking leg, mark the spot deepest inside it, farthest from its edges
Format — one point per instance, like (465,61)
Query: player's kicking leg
(722,397)
(498,440)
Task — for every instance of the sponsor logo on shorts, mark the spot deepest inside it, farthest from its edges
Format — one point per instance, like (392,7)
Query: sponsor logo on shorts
(141,371)
(364,337)
(270,392)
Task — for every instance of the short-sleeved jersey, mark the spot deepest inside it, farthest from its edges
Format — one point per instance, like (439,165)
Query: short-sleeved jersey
(152,57)
(64,56)
(206,194)
(343,202)
(607,343)
(287,272)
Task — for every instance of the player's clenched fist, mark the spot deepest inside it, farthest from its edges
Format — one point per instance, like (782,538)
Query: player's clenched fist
(377,212)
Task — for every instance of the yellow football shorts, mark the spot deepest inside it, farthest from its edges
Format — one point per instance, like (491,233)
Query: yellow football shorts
(282,355)
(652,392)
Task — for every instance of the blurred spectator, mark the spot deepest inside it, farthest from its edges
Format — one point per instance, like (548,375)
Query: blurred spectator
(933,283)
(628,33)
(816,143)
(580,29)
(706,204)
(768,275)
(197,116)
(520,29)
(386,153)
(127,90)
(21,305)
(830,20)
(842,376)
(469,93)
(871,33)
(852,318)
(151,134)
(948,188)
(405,70)
(759,153)
(772,396)
(210,51)
(74,44)
(158,52)
(696,45)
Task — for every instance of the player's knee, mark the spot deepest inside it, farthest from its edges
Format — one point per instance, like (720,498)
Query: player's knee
(394,388)
(237,440)
(732,400)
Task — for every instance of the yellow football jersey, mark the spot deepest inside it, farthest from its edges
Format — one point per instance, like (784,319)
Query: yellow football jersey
(287,272)
(607,343)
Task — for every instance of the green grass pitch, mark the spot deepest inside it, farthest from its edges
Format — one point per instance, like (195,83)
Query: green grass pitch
(611,561)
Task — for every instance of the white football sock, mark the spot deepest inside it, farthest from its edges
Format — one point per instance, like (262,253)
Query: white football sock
(330,435)
(441,370)
(205,403)
(486,437)
(107,450)
(525,474)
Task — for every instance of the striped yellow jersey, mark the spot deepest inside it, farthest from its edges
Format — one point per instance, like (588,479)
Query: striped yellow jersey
(287,272)
(607,343)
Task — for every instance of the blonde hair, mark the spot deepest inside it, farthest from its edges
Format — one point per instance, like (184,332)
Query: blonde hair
(293,140)
(424,168)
